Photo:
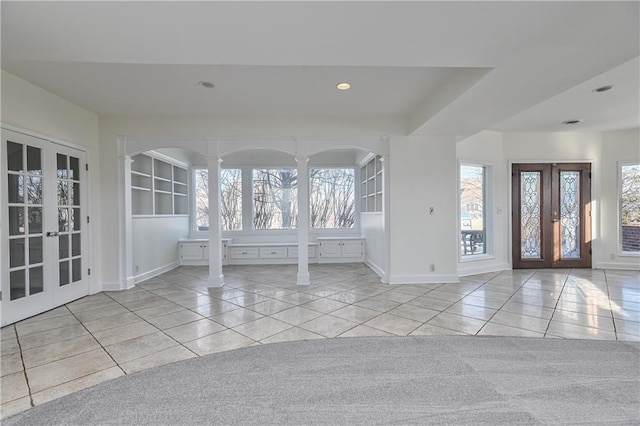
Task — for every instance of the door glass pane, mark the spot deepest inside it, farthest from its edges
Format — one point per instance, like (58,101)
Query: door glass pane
(74,168)
(530,215)
(17,286)
(16,252)
(75,195)
(75,245)
(77,270)
(64,273)
(63,220)
(34,161)
(14,157)
(63,192)
(62,166)
(35,250)
(75,220)
(34,190)
(16,188)
(36,281)
(16,220)
(35,220)
(570,214)
(63,246)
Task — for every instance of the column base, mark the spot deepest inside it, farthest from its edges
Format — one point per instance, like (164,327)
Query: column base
(215,281)
(304,279)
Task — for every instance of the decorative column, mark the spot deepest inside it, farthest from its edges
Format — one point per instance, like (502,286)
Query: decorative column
(386,204)
(216,278)
(303,220)
(126,279)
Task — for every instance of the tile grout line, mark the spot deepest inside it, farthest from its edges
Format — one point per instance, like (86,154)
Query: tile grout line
(555,307)
(24,367)
(613,319)
(505,303)
(94,338)
(161,331)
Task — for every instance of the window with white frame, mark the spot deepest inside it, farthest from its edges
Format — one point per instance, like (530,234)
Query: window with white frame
(473,209)
(630,207)
(230,199)
(275,198)
(332,198)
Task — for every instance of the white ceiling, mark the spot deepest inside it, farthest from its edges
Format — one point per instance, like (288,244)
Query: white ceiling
(457,67)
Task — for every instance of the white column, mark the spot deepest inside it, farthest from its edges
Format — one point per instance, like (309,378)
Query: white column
(216,278)
(386,204)
(303,221)
(126,279)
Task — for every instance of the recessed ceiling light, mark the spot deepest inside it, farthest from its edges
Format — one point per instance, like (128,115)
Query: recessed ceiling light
(206,84)
(572,122)
(603,88)
(343,86)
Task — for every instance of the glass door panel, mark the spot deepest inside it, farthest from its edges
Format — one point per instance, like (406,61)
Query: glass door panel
(23,278)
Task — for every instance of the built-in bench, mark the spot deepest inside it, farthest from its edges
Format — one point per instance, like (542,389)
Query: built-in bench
(326,250)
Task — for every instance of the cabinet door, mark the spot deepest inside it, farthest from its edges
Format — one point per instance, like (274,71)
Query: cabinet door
(352,248)
(330,249)
(192,251)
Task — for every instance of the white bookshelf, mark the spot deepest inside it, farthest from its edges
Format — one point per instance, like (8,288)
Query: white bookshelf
(371,195)
(158,187)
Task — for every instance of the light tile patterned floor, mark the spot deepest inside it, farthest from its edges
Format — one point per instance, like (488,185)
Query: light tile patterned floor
(175,316)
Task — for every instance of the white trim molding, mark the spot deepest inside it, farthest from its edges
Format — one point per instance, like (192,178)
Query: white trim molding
(424,279)
(155,272)
(482,269)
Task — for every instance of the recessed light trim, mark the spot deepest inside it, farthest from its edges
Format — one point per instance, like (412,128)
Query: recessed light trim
(343,86)
(603,88)
(572,122)
(206,84)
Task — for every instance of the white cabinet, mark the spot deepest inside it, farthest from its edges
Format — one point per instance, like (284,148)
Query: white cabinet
(196,251)
(293,252)
(338,250)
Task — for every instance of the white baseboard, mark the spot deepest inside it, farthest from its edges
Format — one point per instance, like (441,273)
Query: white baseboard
(155,272)
(465,270)
(423,279)
(631,266)
(114,286)
(374,267)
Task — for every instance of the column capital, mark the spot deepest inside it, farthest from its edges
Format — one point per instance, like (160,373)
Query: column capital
(217,158)
(302,158)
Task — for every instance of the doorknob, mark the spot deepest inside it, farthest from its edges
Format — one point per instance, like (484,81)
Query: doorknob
(53,234)
(554,217)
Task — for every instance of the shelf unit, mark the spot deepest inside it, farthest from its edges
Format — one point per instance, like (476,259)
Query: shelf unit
(158,187)
(371,196)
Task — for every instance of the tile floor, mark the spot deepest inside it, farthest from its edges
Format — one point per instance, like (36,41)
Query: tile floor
(175,316)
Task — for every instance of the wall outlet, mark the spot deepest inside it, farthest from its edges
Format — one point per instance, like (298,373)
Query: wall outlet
(137,268)
(612,256)
(432,267)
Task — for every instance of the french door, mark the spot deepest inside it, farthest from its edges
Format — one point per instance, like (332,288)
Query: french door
(551,215)
(44,241)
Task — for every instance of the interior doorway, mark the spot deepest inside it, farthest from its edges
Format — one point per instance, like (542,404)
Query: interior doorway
(44,237)
(551,215)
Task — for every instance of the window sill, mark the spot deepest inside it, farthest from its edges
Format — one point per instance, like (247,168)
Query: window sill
(629,254)
(476,258)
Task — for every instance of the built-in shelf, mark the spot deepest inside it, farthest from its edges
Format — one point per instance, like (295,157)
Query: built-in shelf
(371,193)
(158,187)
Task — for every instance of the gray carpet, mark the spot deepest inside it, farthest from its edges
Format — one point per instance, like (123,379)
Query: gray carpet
(377,380)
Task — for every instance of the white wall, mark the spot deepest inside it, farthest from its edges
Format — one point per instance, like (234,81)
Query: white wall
(155,244)
(616,146)
(423,175)
(372,229)
(487,148)
(36,110)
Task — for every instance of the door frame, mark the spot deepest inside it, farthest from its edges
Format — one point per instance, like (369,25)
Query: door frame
(595,196)
(88,204)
